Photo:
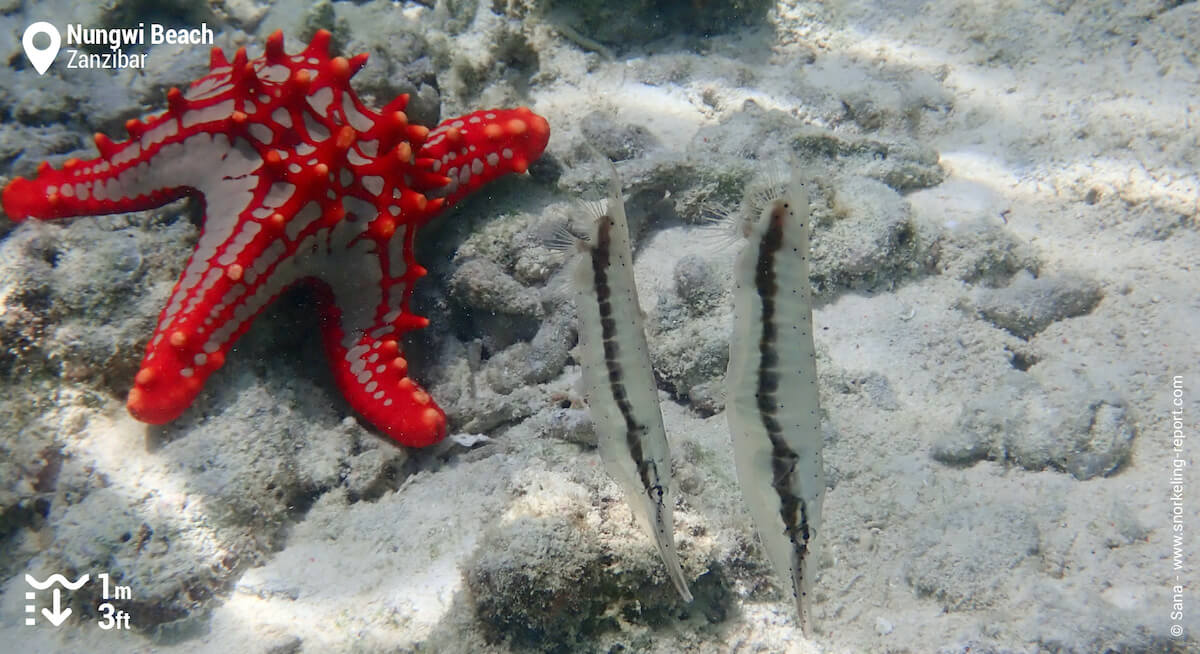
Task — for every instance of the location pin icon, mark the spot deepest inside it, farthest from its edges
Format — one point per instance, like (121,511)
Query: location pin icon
(41,58)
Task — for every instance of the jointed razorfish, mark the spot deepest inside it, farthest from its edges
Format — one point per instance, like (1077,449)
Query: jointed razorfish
(771,388)
(618,379)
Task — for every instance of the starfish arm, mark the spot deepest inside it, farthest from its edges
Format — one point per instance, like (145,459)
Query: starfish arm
(370,370)
(241,264)
(79,189)
(163,164)
(479,147)
(368,272)
(201,140)
(212,132)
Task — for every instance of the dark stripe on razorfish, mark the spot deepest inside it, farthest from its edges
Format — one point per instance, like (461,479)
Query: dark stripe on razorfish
(634,431)
(783,460)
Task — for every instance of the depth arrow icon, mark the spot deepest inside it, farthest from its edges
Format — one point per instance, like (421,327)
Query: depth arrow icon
(59,614)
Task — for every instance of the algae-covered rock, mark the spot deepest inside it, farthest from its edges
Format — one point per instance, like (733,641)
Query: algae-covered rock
(1028,305)
(1076,428)
(565,566)
(645,20)
(869,240)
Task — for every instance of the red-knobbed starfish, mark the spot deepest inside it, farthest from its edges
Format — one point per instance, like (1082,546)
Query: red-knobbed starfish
(301,183)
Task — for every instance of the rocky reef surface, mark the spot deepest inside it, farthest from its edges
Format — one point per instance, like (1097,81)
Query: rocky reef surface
(1006,207)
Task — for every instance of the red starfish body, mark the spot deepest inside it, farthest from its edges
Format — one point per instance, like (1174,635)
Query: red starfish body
(301,183)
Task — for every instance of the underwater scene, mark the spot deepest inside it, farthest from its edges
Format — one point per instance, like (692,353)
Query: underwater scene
(548,326)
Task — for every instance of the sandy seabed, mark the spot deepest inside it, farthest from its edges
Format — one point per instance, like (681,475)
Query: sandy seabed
(1006,233)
